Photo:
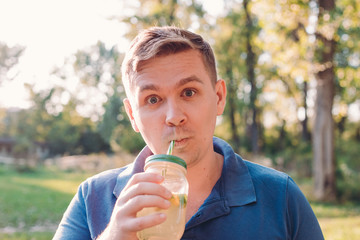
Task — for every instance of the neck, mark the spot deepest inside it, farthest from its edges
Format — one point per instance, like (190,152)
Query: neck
(205,173)
(202,177)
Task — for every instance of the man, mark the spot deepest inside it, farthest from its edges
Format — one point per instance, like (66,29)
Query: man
(173,93)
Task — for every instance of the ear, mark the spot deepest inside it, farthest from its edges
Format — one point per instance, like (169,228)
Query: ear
(129,112)
(220,89)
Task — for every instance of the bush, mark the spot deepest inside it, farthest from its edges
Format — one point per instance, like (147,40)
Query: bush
(125,138)
(296,159)
(348,167)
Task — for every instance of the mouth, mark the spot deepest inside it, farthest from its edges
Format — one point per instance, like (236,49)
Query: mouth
(180,142)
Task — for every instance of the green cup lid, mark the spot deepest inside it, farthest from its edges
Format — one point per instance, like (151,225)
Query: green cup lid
(166,158)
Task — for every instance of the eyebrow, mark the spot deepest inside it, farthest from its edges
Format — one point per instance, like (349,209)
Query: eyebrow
(153,87)
(149,87)
(192,78)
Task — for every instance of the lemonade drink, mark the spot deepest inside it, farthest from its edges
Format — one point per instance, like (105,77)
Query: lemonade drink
(174,225)
(173,169)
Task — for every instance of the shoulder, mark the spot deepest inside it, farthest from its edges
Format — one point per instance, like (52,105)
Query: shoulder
(272,185)
(260,173)
(279,191)
(276,181)
(102,182)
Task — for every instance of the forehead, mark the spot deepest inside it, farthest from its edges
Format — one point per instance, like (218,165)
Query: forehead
(171,68)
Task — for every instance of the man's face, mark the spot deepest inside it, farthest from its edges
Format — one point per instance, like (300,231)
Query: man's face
(173,98)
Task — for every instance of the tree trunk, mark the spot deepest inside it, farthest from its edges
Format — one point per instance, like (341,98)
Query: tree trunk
(235,139)
(305,130)
(250,65)
(323,133)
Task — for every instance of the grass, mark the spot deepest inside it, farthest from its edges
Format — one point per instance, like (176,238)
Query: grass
(341,228)
(32,204)
(27,236)
(338,222)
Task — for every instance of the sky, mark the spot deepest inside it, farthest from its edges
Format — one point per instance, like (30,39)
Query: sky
(52,30)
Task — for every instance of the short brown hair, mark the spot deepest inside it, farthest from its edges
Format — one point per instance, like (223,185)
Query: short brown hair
(162,41)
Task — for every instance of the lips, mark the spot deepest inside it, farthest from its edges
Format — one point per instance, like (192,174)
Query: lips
(181,142)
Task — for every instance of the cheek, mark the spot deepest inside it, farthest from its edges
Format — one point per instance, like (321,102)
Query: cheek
(149,125)
(205,115)
(151,132)
(143,122)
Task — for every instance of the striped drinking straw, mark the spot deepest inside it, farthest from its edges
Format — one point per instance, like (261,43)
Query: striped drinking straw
(171,148)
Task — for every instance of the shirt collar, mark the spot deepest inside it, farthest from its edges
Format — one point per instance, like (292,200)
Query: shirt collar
(238,185)
(239,188)
(135,167)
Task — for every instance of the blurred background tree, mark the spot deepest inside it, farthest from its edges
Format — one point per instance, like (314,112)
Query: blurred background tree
(9,57)
(323,132)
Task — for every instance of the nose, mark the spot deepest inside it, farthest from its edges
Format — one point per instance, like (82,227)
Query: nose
(175,116)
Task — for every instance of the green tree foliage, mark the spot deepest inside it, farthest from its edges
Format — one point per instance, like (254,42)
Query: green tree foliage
(15,124)
(237,54)
(287,61)
(113,116)
(344,20)
(64,133)
(251,61)
(228,48)
(98,67)
(347,60)
(286,41)
(9,57)
(116,129)
(148,13)
(73,134)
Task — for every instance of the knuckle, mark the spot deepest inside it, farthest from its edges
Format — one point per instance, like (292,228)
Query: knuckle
(137,187)
(135,201)
(134,179)
(165,192)
(140,224)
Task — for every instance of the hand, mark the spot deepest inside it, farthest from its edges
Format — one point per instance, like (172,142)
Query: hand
(142,190)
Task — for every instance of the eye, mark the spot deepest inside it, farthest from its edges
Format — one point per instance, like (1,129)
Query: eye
(152,100)
(189,92)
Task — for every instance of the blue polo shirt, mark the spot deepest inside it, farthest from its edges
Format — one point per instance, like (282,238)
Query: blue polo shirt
(249,201)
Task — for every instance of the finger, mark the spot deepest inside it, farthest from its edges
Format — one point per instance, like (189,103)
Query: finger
(146,188)
(144,177)
(136,204)
(140,223)
(142,184)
